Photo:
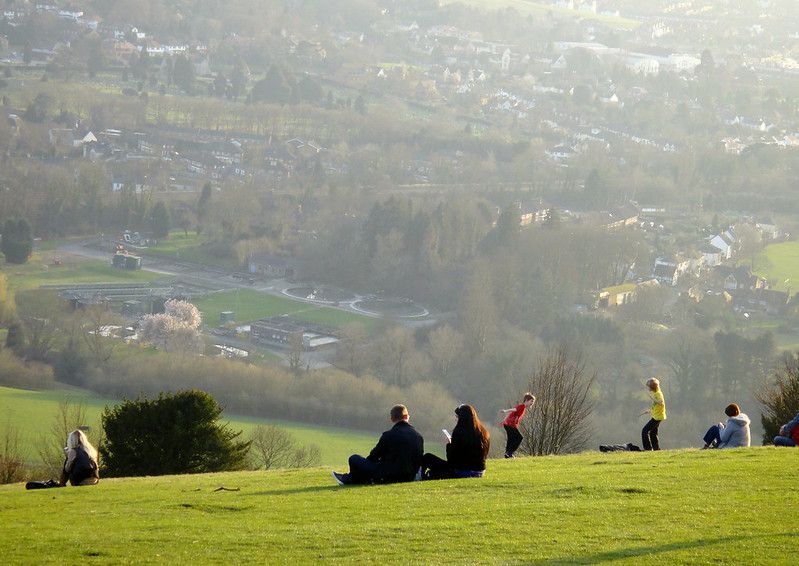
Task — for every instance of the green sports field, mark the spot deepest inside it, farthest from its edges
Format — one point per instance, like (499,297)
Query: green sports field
(779,264)
(32,413)
(249,304)
(682,507)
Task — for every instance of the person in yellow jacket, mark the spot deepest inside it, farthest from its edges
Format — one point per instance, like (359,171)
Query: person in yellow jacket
(649,434)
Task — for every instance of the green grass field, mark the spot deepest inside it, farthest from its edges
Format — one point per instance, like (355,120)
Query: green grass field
(33,412)
(191,248)
(680,507)
(41,271)
(249,304)
(779,264)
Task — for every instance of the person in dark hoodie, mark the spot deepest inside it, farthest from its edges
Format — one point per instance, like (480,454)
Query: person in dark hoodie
(467,449)
(80,465)
(733,434)
(396,458)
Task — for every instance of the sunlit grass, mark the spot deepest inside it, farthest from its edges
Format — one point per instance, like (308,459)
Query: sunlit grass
(682,507)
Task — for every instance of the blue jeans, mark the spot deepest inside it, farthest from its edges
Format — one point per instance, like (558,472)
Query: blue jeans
(713,436)
(784,441)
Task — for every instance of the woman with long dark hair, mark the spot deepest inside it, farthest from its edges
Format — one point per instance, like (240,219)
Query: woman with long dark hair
(467,449)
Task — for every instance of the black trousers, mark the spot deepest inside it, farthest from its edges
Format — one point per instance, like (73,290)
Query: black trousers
(362,470)
(514,440)
(434,468)
(649,435)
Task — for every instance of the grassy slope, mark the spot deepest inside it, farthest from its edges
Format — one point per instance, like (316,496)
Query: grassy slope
(191,247)
(778,263)
(736,506)
(32,412)
(249,304)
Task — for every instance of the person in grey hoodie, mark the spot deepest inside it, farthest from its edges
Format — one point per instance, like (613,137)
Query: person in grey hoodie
(734,434)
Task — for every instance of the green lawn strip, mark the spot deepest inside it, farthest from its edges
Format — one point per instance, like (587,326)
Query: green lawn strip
(32,413)
(681,507)
(779,264)
(40,271)
(249,305)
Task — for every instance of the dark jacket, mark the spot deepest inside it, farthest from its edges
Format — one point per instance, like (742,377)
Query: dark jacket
(398,454)
(465,452)
(80,467)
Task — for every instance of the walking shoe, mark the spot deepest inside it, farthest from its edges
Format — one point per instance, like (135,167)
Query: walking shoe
(508,455)
(341,479)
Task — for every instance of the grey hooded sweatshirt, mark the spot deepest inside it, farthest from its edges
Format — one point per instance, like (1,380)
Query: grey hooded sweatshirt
(735,434)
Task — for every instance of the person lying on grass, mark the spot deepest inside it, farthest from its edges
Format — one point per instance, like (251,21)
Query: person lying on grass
(734,434)
(396,458)
(467,449)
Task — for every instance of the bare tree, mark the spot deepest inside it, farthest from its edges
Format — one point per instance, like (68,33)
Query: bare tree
(50,445)
(559,423)
(11,465)
(274,447)
(350,352)
(295,353)
(446,346)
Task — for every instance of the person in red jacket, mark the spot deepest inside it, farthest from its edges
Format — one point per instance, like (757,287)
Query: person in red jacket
(511,423)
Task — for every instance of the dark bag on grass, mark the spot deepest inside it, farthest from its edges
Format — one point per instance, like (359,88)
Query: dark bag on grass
(42,484)
(629,447)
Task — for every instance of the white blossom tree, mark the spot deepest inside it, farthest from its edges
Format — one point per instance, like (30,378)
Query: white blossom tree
(175,330)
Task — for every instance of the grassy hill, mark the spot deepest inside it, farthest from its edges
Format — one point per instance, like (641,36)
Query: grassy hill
(680,507)
(32,413)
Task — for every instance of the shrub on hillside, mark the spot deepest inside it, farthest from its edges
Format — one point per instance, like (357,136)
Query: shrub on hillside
(780,398)
(172,434)
(15,372)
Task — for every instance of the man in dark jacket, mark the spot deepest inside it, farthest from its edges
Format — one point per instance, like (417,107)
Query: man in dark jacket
(396,458)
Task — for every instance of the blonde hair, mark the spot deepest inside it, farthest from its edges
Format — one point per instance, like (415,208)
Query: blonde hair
(653,381)
(78,438)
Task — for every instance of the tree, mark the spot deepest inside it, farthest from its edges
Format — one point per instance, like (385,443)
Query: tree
(559,422)
(203,207)
(8,307)
(175,330)
(159,221)
(295,353)
(351,347)
(360,105)
(173,434)
(780,398)
(11,459)
(274,447)
(220,85)
(50,446)
(272,88)
(17,243)
(446,346)
(183,75)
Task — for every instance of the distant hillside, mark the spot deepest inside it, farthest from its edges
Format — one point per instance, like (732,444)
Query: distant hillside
(681,507)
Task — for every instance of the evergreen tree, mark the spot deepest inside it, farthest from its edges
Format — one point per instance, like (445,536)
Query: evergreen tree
(174,434)
(159,221)
(17,243)
(183,74)
(274,87)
